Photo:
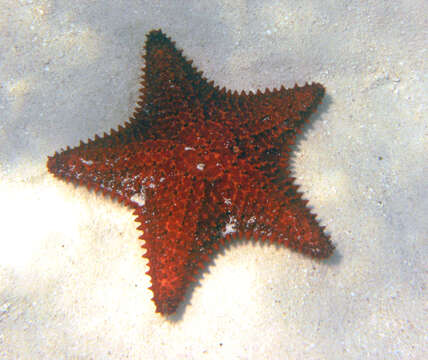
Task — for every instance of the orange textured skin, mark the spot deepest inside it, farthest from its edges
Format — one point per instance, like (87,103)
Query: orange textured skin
(200,165)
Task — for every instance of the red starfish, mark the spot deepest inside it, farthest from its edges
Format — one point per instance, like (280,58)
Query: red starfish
(200,165)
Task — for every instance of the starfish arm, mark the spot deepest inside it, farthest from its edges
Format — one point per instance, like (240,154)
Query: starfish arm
(285,219)
(287,109)
(297,228)
(172,90)
(123,172)
(280,111)
(169,222)
(270,211)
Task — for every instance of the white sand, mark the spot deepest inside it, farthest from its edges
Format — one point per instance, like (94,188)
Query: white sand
(72,282)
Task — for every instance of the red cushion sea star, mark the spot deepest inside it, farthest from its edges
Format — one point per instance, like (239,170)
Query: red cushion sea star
(200,165)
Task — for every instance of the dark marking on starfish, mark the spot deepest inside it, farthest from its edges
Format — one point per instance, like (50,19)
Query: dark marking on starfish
(200,165)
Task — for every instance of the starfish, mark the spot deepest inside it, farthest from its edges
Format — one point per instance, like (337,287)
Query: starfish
(200,166)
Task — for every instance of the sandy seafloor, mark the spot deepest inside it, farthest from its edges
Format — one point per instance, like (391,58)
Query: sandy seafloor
(72,281)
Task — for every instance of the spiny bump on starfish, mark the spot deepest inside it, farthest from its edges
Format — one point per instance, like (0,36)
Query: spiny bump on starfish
(200,166)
